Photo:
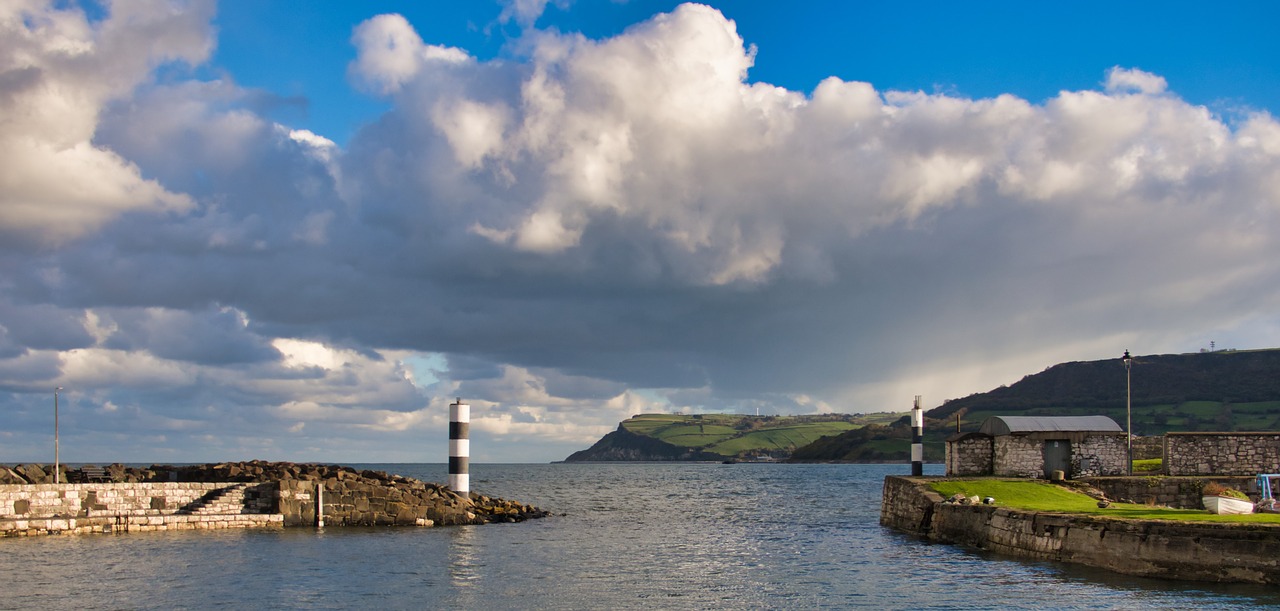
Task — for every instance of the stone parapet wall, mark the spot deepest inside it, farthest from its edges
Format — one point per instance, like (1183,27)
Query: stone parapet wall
(1221,453)
(122,524)
(1145,448)
(33,509)
(1178,492)
(121,499)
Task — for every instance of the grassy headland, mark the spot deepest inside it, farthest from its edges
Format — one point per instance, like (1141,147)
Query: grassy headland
(720,436)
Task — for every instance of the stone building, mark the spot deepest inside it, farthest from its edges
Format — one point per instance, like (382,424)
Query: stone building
(1033,446)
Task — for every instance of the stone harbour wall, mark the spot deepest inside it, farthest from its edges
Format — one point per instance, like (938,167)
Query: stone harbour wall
(1221,453)
(230,495)
(27,509)
(1225,552)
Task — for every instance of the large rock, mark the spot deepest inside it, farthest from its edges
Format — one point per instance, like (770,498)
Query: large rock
(34,474)
(9,476)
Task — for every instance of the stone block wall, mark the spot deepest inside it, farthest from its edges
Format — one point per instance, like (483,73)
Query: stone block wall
(1097,455)
(1018,456)
(162,497)
(88,500)
(1179,492)
(969,456)
(1222,453)
(907,504)
(1148,447)
(27,509)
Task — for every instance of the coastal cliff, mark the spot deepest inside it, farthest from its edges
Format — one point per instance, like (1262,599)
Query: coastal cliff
(623,445)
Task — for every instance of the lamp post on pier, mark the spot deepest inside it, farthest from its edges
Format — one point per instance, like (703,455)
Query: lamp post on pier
(57,478)
(1128,409)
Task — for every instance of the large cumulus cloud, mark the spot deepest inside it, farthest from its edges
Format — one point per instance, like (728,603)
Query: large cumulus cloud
(586,229)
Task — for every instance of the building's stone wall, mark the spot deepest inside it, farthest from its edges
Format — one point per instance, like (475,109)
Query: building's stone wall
(1221,453)
(969,456)
(1018,456)
(1097,455)
(1092,454)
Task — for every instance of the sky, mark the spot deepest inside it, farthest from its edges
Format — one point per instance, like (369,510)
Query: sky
(298,230)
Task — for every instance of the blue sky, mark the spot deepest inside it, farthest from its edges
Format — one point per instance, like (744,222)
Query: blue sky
(1216,57)
(298,230)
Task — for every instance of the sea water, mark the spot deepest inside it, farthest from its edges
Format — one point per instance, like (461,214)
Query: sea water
(623,536)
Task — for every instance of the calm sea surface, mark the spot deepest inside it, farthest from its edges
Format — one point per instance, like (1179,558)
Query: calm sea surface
(626,536)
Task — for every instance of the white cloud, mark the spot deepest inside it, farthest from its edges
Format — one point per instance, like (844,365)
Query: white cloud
(390,53)
(1122,80)
(588,229)
(57,72)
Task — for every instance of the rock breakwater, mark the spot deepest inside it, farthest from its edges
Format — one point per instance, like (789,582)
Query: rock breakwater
(347,496)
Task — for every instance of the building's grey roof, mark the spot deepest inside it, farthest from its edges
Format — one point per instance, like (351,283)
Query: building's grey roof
(1005,425)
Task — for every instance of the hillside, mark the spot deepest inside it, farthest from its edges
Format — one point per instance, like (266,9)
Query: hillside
(718,436)
(1210,391)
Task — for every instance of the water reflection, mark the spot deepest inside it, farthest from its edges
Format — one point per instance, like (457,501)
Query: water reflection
(464,566)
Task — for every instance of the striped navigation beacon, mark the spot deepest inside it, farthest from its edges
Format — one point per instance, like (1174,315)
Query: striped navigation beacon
(917,439)
(459,448)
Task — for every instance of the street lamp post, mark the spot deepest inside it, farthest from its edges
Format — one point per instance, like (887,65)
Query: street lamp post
(57,478)
(1128,408)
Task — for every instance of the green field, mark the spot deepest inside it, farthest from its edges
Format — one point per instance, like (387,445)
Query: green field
(781,438)
(736,435)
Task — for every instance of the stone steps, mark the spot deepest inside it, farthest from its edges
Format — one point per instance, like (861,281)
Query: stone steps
(224,501)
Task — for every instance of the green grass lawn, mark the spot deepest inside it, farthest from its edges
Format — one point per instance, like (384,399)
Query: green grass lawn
(1147,465)
(782,437)
(1046,497)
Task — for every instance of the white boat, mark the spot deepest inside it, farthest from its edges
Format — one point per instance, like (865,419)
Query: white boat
(1222,505)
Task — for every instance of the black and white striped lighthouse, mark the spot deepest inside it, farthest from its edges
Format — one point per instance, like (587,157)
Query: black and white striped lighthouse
(459,448)
(917,439)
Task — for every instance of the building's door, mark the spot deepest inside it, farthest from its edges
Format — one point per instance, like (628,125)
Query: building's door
(1057,457)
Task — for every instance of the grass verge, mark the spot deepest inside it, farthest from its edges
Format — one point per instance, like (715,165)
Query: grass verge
(1043,496)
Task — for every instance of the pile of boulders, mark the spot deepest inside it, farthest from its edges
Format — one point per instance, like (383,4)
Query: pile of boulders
(30,474)
(960,499)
